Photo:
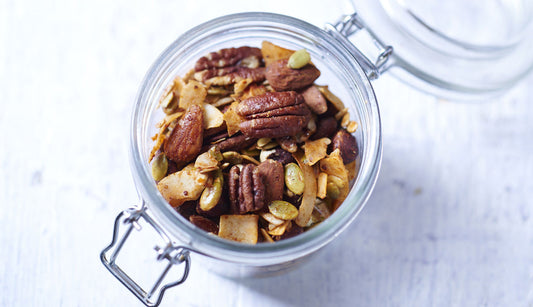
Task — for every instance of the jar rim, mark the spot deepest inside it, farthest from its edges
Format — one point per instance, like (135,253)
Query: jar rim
(281,251)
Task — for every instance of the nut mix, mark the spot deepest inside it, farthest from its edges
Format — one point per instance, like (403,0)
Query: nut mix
(250,149)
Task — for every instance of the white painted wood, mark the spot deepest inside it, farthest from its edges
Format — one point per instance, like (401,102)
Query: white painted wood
(450,222)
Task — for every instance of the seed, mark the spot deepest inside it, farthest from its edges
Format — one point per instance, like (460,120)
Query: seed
(159,167)
(294,178)
(299,59)
(262,142)
(215,153)
(352,127)
(283,210)
(232,157)
(333,190)
(211,194)
(169,104)
(345,120)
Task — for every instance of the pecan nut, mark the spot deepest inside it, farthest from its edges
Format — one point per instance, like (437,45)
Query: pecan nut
(230,75)
(347,145)
(247,189)
(227,57)
(283,78)
(274,115)
(185,141)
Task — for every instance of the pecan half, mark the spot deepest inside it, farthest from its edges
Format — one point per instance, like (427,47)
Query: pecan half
(230,75)
(283,78)
(273,115)
(347,145)
(227,57)
(246,188)
(236,143)
(185,141)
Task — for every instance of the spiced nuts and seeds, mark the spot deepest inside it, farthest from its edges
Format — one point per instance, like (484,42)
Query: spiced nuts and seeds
(250,148)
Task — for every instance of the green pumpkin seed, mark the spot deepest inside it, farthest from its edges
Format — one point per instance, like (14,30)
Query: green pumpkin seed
(232,157)
(169,104)
(294,178)
(211,194)
(299,59)
(159,167)
(333,190)
(283,210)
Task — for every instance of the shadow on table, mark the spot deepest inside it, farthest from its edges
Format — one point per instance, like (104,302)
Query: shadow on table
(368,264)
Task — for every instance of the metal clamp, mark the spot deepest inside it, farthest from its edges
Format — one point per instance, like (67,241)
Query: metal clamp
(351,24)
(174,254)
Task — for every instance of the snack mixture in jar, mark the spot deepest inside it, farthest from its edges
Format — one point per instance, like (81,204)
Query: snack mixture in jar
(250,149)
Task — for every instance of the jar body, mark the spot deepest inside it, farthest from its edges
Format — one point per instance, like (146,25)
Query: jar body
(339,70)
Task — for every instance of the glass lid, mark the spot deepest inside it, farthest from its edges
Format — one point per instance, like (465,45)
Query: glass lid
(452,48)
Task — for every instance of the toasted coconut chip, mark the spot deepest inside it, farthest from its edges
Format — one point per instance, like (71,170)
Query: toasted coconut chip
(240,228)
(241,85)
(184,185)
(233,119)
(309,195)
(253,90)
(322,185)
(223,101)
(316,150)
(216,90)
(271,53)
(192,93)
(212,116)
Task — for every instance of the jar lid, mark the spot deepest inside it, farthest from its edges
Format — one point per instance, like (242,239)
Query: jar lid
(452,48)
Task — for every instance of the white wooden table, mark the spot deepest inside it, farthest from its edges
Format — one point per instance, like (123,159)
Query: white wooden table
(450,222)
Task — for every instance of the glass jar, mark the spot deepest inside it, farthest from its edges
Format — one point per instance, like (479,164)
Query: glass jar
(343,67)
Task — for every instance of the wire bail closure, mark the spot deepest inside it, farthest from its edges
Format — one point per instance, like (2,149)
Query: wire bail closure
(175,255)
(347,26)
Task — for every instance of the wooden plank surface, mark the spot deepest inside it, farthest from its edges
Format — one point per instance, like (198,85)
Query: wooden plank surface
(450,222)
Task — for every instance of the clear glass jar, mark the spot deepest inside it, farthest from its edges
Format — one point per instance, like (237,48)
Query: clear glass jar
(345,70)
(339,69)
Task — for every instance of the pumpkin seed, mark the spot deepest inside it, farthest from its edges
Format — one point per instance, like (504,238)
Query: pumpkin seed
(283,210)
(299,59)
(294,178)
(169,104)
(333,190)
(232,157)
(211,194)
(262,142)
(159,167)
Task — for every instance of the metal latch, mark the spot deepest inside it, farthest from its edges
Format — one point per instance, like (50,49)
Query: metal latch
(347,26)
(175,255)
